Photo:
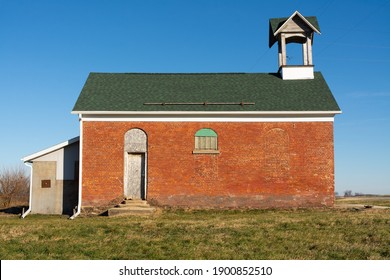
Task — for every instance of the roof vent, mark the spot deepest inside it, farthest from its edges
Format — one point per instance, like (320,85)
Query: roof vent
(295,29)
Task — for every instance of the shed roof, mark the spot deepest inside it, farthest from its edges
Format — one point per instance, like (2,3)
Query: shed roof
(129,92)
(51,149)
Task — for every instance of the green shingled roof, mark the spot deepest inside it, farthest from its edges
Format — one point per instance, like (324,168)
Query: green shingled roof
(265,92)
(276,23)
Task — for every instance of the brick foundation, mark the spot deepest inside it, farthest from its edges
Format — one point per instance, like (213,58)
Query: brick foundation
(259,165)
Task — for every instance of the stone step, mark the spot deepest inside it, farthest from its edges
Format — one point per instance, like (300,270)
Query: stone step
(134,202)
(128,211)
(131,207)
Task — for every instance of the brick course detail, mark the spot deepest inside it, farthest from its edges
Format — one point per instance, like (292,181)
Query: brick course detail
(259,165)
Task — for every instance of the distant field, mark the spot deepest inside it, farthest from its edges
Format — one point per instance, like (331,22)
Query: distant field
(366,200)
(250,234)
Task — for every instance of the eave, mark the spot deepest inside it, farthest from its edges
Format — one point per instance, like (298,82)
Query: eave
(206,112)
(290,18)
(50,149)
(206,116)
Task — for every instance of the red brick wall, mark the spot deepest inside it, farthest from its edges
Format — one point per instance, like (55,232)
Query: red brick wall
(259,164)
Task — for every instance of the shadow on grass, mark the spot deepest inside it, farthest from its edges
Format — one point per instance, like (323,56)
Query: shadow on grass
(15,210)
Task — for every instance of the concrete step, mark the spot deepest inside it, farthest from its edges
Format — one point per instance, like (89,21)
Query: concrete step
(128,211)
(131,207)
(134,202)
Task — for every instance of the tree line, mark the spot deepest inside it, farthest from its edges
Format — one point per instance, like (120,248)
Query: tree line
(14,187)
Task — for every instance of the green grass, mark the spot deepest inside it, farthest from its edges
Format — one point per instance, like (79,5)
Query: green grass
(251,234)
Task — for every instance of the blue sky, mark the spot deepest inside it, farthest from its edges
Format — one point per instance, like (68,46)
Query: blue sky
(48,48)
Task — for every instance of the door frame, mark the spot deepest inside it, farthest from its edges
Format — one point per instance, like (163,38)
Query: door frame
(135,142)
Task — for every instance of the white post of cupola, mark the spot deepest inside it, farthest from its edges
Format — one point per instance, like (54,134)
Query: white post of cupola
(309,51)
(282,50)
(305,53)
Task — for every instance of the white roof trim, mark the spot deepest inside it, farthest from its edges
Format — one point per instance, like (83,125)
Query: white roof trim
(202,113)
(302,17)
(212,116)
(246,119)
(51,149)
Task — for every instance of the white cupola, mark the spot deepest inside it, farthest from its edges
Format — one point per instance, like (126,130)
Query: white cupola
(295,29)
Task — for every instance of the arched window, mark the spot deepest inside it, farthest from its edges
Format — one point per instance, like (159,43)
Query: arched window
(206,142)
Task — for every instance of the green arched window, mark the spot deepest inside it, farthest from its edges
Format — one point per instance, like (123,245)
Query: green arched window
(206,141)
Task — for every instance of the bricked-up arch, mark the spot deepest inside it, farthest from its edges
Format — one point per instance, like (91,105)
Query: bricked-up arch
(276,156)
(135,141)
(135,165)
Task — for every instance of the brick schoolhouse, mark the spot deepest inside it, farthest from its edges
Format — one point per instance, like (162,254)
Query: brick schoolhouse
(203,140)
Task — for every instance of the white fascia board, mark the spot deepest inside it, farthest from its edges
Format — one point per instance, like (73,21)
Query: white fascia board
(221,113)
(174,116)
(302,17)
(50,149)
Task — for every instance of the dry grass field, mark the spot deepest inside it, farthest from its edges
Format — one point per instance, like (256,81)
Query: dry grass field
(365,200)
(213,234)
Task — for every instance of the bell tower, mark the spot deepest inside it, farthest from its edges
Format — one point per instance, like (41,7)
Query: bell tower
(295,29)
